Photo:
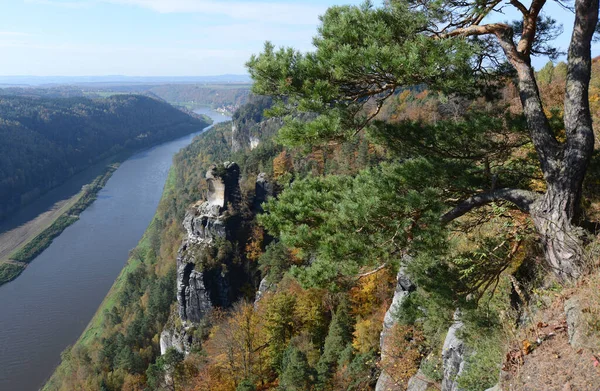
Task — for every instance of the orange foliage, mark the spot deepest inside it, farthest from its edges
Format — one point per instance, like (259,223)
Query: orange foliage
(282,164)
(371,291)
(134,383)
(403,356)
(254,248)
(235,350)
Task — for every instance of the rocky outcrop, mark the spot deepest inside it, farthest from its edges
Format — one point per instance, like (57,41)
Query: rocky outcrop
(211,266)
(177,338)
(403,288)
(263,190)
(263,288)
(418,382)
(247,135)
(453,355)
(206,227)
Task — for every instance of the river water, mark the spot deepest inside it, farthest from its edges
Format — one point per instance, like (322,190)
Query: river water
(49,305)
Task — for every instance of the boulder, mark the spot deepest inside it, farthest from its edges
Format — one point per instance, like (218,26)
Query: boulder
(418,382)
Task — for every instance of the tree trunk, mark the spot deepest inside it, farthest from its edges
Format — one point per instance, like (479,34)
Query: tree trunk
(553,215)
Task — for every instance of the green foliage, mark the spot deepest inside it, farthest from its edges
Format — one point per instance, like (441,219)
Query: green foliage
(308,214)
(545,75)
(338,338)
(9,271)
(296,373)
(275,261)
(246,385)
(484,336)
(280,325)
(361,52)
(170,363)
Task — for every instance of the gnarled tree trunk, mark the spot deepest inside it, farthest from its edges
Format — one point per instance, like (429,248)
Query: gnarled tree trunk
(564,165)
(562,241)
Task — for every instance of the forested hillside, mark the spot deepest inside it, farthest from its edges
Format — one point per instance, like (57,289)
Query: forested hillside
(228,96)
(430,223)
(45,141)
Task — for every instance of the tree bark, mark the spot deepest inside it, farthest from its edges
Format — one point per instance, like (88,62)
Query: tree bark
(556,213)
(562,241)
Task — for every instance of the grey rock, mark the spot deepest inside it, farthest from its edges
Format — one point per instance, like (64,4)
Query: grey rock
(263,288)
(236,140)
(170,338)
(495,388)
(205,223)
(403,288)
(453,355)
(263,190)
(418,382)
(576,325)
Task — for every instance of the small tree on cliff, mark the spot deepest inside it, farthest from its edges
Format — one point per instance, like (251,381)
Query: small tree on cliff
(365,54)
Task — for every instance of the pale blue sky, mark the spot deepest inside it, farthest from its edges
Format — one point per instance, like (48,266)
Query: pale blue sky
(157,37)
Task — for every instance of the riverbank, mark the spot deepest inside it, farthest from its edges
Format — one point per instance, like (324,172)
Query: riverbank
(21,245)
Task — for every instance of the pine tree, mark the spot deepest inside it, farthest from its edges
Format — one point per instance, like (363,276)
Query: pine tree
(365,54)
(339,336)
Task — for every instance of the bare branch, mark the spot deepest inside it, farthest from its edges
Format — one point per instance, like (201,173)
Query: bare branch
(523,199)
(530,27)
(378,268)
(518,5)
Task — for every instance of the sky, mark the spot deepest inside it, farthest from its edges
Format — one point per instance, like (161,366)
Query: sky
(160,37)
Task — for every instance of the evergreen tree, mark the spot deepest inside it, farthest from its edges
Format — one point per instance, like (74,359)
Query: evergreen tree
(296,375)
(338,338)
(365,54)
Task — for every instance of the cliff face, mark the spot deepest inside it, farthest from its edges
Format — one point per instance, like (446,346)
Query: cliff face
(211,265)
(249,126)
(248,135)
(201,282)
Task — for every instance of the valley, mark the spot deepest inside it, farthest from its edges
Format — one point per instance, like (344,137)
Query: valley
(49,305)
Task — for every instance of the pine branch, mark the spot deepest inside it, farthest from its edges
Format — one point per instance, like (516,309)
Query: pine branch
(523,199)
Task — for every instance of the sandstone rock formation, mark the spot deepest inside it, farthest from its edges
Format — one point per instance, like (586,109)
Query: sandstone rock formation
(453,355)
(403,288)
(211,267)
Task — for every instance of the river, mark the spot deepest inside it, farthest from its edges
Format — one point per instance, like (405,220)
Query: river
(49,305)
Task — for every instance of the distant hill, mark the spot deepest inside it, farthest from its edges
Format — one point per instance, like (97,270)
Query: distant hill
(47,140)
(117,79)
(225,96)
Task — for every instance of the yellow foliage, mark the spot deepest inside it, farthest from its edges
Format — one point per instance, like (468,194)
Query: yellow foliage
(235,348)
(282,164)
(371,291)
(134,383)
(254,247)
(366,335)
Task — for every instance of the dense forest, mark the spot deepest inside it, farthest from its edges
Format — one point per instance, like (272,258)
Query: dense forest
(442,236)
(228,96)
(46,140)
